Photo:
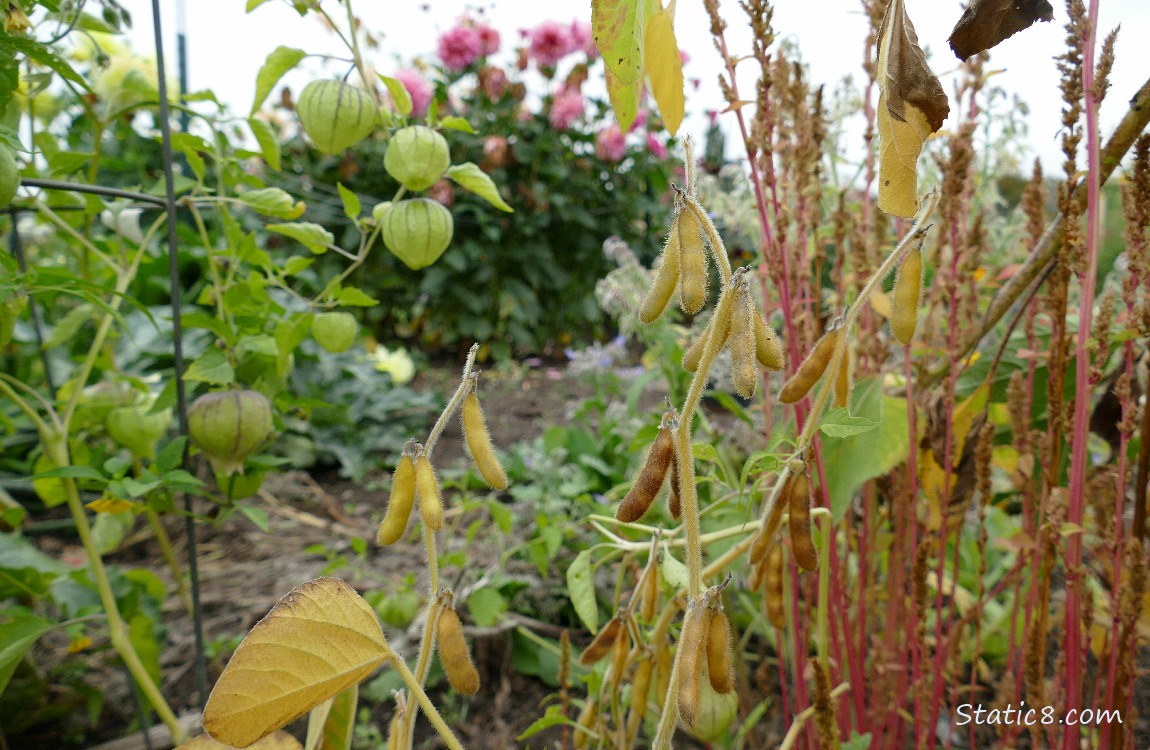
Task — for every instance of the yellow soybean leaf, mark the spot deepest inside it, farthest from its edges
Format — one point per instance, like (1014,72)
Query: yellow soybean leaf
(911,106)
(275,741)
(665,68)
(624,99)
(318,640)
(617,27)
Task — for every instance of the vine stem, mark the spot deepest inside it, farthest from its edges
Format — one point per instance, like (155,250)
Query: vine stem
(427,640)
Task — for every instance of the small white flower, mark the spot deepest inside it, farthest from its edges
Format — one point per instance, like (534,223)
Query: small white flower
(396,363)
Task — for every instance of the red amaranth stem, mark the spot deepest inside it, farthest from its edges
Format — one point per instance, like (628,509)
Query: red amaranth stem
(1078,455)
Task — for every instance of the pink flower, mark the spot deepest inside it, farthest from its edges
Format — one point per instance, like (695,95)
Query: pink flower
(684,58)
(459,48)
(657,148)
(420,91)
(566,108)
(581,39)
(609,144)
(550,42)
(488,39)
(640,120)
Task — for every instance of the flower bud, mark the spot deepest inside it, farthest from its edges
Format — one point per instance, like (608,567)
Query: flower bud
(417,157)
(229,426)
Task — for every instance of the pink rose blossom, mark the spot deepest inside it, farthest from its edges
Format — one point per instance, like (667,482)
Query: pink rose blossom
(640,120)
(609,144)
(550,42)
(459,48)
(566,108)
(488,39)
(657,148)
(420,91)
(581,39)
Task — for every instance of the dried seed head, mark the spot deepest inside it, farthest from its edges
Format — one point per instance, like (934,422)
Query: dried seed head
(693,263)
(564,657)
(768,346)
(602,642)
(802,545)
(478,441)
(666,279)
(399,504)
(427,486)
(719,666)
(907,291)
(454,654)
(811,369)
(743,343)
(843,381)
(692,646)
(824,709)
(650,479)
(773,587)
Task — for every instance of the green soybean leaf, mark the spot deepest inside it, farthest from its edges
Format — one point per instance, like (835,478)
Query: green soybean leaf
(473,178)
(838,423)
(617,26)
(280,61)
(581,589)
(17,636)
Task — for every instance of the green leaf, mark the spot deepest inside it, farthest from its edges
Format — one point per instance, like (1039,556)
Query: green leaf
(17,636)
(456,123)
(351,203)
(471,177)
(28,572)
(855,460)
(349,296)
(857,741)
(258,516)
(68,472)
(838,423)
(211,367)
(297,264)
(9,79)
(280,61)
(273,202)
(43,54)
(487,606)
(253,4)
(617,26)
(340,723)
(551,717)
(312,236)
(581,589)
(399,94)
(269,144)
(68,326)
(674,572)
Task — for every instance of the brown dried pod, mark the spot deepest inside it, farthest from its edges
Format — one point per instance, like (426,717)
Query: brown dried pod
(430,501)
(454,654)
(768,346)
(802,545)
(640,688)
(907,293)
(811,369)
(666,279)
(674,501)
(719,666)
(399,503)
(602,642)
(619,653)
(694,353)
(664,663)
(649,598)
(743,343)
(585,725)
(843,382)
(692,646)
(650,479)
(773,592)
(693,263)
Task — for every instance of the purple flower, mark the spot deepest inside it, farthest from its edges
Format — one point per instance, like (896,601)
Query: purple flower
(549,42)
(566,108)
(610,145)
(420,91)
(459,48)
(657,148)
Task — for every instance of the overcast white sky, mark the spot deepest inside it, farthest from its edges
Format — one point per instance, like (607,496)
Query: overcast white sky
(227,46)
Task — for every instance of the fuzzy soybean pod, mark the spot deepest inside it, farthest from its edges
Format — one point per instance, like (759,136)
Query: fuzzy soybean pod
(843,382)
(666,279)
(762,541)
(649,598)
(650,479)
(674,502)
(692,647)
(454,654)
(601,644)
(585,724)
(619,653)
(811,369)
(768,346)
(640,687)
(907,291)
(399,504)
(663,666)
(802,545)
(743,343)
(478,441)
(693,263)
(773,587)
(430,502)
(719,665)
(694,352)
